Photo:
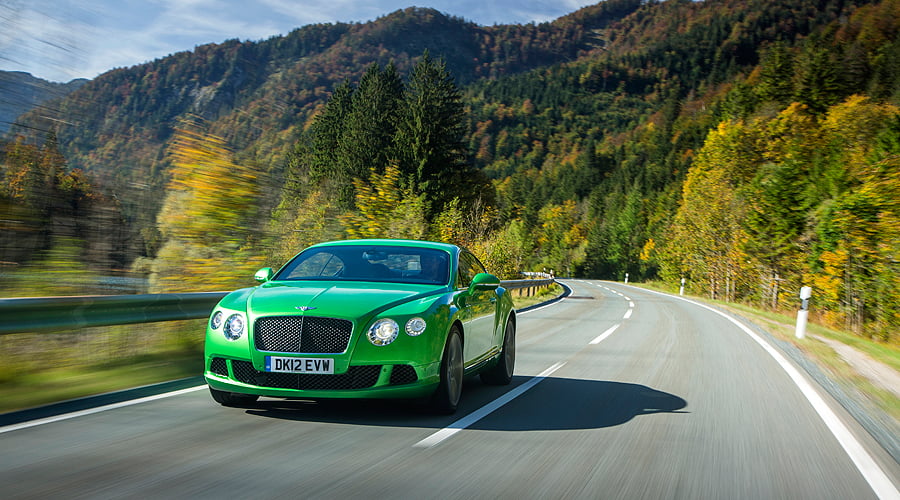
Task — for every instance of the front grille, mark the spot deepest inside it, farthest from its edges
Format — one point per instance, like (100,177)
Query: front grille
(403,374)
(357,377)
(218,366)
(302,334)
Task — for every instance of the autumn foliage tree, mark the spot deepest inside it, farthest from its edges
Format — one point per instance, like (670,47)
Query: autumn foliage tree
(208,219)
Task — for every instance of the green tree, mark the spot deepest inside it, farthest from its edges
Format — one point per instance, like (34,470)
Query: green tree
(371,123)
(429,139)
(776,74)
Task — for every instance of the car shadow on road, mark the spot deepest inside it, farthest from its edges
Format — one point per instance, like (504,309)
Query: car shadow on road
(553,404)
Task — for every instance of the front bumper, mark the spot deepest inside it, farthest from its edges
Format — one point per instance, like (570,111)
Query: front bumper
(364,381)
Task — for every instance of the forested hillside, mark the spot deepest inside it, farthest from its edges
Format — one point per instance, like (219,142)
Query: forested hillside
(751,147)
(21,92)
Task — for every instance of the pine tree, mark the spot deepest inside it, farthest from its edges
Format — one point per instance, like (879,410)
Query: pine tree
(776,73)
(369,128)
(429,140)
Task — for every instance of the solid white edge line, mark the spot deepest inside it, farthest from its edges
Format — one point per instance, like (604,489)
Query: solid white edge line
(607,333)
(485,410)
(880,483)
(547,305)
(90,411)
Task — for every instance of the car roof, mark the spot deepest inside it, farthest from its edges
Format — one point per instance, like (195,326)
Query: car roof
(392,242)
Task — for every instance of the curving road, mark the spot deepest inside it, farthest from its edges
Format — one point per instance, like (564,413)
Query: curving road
(619,393)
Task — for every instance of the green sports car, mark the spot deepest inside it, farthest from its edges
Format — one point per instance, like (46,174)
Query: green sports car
(363,319)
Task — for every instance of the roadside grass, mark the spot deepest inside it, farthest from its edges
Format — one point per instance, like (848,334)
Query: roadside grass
(51,386)
(543,295)
(782,326)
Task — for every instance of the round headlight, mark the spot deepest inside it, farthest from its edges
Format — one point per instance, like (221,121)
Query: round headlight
(234,327)
(383,331)
(216,321)
(415,326)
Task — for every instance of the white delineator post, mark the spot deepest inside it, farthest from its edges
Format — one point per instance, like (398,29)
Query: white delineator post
(681,290)
(803,313)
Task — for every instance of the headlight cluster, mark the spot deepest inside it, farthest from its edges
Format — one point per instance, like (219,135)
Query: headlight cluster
(385,330)
(234,326)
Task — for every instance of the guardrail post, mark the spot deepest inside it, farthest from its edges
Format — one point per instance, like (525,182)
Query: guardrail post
(803,313)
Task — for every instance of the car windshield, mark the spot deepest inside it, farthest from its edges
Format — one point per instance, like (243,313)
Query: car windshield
(395,264)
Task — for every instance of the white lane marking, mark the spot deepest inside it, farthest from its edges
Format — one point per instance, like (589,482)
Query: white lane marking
(874,475)
(630,303)
(539,308)
(605,334)
(628,314)
(90,411)
(485,410)
(547,305)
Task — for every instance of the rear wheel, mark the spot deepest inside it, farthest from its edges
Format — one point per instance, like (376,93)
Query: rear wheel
(446,397)
(502,372)
(232,399)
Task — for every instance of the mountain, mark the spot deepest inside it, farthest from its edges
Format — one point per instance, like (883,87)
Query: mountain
(20,92)
(260,95)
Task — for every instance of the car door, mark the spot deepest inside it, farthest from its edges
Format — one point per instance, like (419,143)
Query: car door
(478,309)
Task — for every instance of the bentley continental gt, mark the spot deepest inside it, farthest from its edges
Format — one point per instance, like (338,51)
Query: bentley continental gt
(363,319)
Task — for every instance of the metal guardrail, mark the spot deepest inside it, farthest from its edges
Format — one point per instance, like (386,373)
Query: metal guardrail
(531,285)
(58,313)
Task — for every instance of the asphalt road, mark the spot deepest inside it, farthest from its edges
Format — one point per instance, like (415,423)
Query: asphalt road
(619,393)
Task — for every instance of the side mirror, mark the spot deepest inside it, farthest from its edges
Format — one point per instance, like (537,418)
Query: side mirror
(484,282)
(264,274)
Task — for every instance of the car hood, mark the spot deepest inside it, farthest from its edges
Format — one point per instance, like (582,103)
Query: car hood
(348,300)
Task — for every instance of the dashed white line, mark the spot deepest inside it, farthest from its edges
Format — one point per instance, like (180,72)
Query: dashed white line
(485,410)
(605,334)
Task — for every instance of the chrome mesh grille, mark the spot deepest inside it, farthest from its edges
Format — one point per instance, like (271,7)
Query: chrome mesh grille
(357,377)
(302,334)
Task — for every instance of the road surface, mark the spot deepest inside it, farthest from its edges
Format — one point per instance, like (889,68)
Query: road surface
(619,393)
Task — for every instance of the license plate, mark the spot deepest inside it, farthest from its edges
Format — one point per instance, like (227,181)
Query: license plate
(299,365)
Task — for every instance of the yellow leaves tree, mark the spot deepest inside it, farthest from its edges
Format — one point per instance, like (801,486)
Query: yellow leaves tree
(385,209)
(561,237)
(505,252)
(859,272)
(707,233)
(207,218)
(314,219)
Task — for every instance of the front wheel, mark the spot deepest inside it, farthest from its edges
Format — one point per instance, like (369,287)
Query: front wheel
(446,397)
(232,399)
(502,372)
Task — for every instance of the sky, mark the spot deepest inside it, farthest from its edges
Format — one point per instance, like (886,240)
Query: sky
(60,40)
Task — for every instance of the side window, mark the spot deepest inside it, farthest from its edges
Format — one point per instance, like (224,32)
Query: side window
(468,268)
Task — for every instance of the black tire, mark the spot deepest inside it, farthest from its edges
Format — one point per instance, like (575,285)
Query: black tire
(502,372)
(232,399)
(446,397)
